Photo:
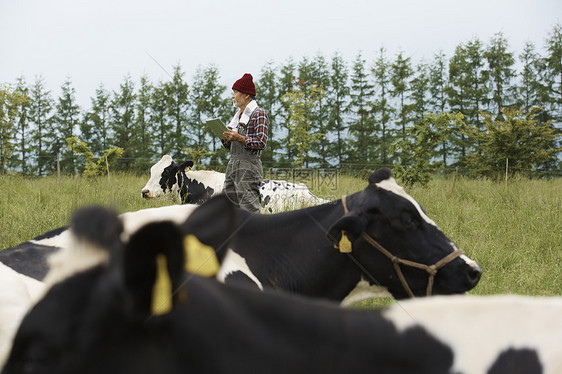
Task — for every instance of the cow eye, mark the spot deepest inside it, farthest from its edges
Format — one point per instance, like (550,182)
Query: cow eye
(409,220)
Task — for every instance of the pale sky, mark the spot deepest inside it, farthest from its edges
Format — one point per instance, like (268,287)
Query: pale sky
(101,41)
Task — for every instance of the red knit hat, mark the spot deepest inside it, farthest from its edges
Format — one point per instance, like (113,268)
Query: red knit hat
(245,85)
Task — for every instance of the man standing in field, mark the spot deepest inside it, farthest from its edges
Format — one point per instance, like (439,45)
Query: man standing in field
(245,138)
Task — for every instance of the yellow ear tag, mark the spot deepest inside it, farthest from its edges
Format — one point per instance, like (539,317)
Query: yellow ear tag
(187,168)
(162,289)
(200,258)
(344,244)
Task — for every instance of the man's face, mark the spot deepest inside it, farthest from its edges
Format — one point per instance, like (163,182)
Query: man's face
(238,98)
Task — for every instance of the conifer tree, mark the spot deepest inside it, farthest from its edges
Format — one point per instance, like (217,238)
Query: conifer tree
(438,97)
(553,72)
(317,74)
(382,109)
(478,76)
(305,73)
(65,125)
(457,96)
(268,100)
(20,157)
(336,96)
(216,106)
(419,99)
(401,77)
(501,73)
(95,130)
(40,113)
(177,99)
(361,128)
(162,128)
(530,87)
(125,133)
(287,82)
(419,92)
(300,120)
(467,92)
(438,83)
(143,112)
(197,132)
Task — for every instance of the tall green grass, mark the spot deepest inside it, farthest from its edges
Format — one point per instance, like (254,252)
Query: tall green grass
(33,206)
(513,230)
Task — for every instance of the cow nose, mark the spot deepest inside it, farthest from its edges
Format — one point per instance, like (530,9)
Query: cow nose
(145,193)
(474,275)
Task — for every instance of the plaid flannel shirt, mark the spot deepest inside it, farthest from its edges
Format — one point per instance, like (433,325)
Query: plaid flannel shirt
(256,132)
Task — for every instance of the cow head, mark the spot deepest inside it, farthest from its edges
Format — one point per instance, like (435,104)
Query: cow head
(192,187)
(164,178)
(116,306)
(384,214)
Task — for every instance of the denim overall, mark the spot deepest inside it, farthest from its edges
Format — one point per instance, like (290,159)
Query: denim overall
(244,174)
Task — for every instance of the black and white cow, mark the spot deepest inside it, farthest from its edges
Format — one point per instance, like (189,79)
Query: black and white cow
(196,187)
(103,320)
(191,187)
(294,251)
(24,268)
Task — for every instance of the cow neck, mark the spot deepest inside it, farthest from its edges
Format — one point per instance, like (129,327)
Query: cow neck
(396,261)
(312,223)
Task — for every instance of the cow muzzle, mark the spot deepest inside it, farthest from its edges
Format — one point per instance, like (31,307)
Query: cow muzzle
(146,194)
(430,269)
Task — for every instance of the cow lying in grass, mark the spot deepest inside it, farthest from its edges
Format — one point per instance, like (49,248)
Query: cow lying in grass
(109,319)
(23,269)
(387,240)
(196,187)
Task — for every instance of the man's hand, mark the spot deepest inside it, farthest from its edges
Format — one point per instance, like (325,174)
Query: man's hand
(231,135)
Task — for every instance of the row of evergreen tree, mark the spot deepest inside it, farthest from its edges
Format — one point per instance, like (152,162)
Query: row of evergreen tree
(361,110)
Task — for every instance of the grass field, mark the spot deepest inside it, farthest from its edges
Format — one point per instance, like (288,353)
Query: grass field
(513,230)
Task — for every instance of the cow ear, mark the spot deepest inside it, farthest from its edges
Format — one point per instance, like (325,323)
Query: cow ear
(346,230)
(98,226)
(153,268)
(380,175)
(212,223)
(186,165)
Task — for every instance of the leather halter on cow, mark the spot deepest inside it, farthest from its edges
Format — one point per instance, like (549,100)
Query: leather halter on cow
(345,246)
